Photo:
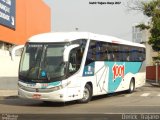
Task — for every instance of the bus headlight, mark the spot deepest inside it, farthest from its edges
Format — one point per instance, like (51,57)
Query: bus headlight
(61,86)
(31,89)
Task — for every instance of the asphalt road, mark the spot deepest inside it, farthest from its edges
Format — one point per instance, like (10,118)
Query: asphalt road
(145,100)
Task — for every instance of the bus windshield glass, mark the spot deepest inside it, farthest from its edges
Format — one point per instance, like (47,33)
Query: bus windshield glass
(42,62)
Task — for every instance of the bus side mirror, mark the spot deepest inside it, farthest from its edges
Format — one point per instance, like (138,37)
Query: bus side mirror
(67,51)
(13,51)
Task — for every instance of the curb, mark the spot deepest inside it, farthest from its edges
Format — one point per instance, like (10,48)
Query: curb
(6,93)
(153,83)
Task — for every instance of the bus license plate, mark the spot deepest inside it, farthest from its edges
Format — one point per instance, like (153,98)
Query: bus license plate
(36,96)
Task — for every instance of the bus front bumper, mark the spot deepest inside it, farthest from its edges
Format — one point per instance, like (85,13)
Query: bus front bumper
(62,95)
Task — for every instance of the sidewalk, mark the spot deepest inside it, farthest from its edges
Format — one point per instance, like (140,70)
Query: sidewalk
(153,83)
(6,93)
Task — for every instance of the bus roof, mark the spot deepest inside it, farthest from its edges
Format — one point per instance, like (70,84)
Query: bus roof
(71,36)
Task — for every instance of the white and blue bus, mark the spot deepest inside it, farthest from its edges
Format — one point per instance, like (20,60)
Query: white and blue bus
(78,65)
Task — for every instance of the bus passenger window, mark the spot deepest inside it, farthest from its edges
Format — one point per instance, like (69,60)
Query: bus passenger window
(110,54)
(91,56)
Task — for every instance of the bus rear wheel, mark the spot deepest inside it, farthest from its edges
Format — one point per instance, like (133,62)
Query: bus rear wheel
(131,86)
(87,94)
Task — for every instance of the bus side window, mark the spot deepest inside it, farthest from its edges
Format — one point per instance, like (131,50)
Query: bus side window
(75,60)
(110,53)
(72,61)
(126,54)
(115,51)
(105,56)
(91,55)
(143,54)
(135,54)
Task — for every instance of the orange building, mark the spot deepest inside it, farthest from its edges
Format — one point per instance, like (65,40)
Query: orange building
(30,16)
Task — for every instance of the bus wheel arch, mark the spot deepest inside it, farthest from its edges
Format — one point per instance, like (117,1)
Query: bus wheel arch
(87,93)
(131,85)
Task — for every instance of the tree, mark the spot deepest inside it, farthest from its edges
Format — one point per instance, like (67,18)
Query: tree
(152,10)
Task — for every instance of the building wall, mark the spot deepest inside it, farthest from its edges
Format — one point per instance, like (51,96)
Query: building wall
(12,69)
(142,36)
(151,72)
(136,34)
(32,17)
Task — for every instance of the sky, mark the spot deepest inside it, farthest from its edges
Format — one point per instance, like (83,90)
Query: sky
(93,16)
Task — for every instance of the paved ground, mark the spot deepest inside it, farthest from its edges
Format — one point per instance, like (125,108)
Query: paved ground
(5,93)
(121,103)
(144,101)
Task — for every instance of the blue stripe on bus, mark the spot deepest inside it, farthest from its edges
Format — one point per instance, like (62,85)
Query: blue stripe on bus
(114,81)
(54,83)
(116,73)
(89,69)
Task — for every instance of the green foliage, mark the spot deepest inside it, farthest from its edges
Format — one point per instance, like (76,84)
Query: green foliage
(152,9)
(156,58)
(143,26)
(149,7)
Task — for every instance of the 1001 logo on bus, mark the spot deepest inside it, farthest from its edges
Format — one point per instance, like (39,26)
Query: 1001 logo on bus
(118,71)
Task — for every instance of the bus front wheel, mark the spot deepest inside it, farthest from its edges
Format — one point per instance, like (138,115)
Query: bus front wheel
(87,94)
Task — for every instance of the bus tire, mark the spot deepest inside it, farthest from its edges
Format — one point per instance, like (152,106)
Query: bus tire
(131,86)
(47,102)
(87,94)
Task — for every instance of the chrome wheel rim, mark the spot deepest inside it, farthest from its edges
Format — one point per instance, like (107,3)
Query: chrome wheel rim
(132,86)
(85,94)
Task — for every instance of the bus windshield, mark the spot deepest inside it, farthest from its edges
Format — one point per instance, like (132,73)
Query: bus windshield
(42,62)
